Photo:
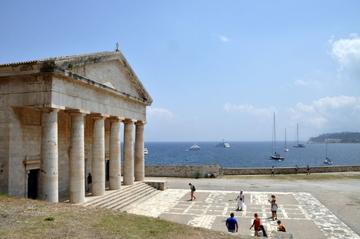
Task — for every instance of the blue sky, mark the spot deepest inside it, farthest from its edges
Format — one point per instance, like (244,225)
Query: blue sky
(215,69)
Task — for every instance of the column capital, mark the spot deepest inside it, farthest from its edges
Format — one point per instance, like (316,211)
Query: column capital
(116,118)
(128,121)
(98,115)
(140,122)
(77,111)
(48,109)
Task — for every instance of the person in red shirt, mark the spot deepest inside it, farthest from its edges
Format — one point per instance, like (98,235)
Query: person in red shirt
(256,225)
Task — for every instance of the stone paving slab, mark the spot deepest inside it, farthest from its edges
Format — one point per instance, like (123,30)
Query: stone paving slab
(304,216)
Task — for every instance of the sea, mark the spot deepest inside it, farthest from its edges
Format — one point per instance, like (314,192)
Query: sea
(249,154)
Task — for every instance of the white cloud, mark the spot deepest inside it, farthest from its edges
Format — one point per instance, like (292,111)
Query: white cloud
(249,109)
(224,38)
(307,83)
(329,112)
(346,51)
(159,113)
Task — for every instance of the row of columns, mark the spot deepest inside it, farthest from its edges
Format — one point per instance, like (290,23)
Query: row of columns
(49,155)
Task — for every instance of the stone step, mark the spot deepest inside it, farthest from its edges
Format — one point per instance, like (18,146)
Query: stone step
(133,199)
(115,193)
(119,193)
(109,202)
(137,202)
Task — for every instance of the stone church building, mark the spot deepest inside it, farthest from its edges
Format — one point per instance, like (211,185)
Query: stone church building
(65,117)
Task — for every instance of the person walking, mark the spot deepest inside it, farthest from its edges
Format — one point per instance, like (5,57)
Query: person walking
(192,192)
(256,224)
(89,182)
(232,224)
(273,171)
(273,207)
(240,201)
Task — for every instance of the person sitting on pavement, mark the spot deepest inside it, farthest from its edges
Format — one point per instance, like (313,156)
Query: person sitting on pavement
(280,227)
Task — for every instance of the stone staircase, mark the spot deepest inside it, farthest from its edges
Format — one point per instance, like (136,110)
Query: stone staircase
(124,198)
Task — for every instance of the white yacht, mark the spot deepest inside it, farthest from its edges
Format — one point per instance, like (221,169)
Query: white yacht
(194,147)
(223,144)
(146,151)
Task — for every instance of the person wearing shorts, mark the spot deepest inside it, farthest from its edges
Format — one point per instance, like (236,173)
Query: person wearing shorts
(273,207)
(256,224)
(232,224)
(192,192)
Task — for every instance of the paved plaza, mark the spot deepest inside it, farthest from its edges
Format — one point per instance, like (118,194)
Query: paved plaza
(304,216)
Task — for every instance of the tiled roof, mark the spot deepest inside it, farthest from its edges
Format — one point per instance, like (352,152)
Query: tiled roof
(60,58)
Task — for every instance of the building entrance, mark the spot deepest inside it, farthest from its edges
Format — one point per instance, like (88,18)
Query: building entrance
(33,178)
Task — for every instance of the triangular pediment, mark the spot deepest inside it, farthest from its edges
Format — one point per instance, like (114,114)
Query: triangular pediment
(108,68)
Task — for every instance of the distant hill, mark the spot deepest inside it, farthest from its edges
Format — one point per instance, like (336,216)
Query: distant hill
(342,137)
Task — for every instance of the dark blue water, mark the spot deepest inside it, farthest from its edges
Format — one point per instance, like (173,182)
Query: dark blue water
(249,154)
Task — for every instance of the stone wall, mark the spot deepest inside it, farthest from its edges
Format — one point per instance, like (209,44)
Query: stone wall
(289,170)
(186,171)
(201,171)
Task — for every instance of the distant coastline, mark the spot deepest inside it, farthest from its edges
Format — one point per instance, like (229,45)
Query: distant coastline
(341,137)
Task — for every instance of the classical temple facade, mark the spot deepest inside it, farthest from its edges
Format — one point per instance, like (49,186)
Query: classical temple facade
(64,118)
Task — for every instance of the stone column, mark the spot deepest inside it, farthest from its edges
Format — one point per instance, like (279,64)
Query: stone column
(139,152)
(128,152)
(115,159)
(49,155)
(77,159)
(98,157)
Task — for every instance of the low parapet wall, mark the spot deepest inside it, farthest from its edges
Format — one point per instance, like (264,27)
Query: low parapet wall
(183,171)
(202,171)
(289,170)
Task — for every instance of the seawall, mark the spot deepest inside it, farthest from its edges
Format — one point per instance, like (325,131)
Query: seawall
(201,171)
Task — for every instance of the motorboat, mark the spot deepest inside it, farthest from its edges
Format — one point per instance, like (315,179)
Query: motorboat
(224,144)
(277,156)
(194,147)
(146,151)
(328,161)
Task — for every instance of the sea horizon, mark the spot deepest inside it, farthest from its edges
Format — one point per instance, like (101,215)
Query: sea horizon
(250,154)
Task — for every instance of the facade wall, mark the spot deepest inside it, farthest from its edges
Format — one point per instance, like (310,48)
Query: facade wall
(80,96)
(4,143)
(108,73)
(64,124)
(17,153)
(32,90)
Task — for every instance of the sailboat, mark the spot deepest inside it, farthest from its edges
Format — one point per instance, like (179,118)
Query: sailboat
(275,155)
(223,144)
(327,160)
(286,149)
(298,145)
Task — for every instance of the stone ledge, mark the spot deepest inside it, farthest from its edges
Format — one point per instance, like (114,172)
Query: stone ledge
(159,185)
